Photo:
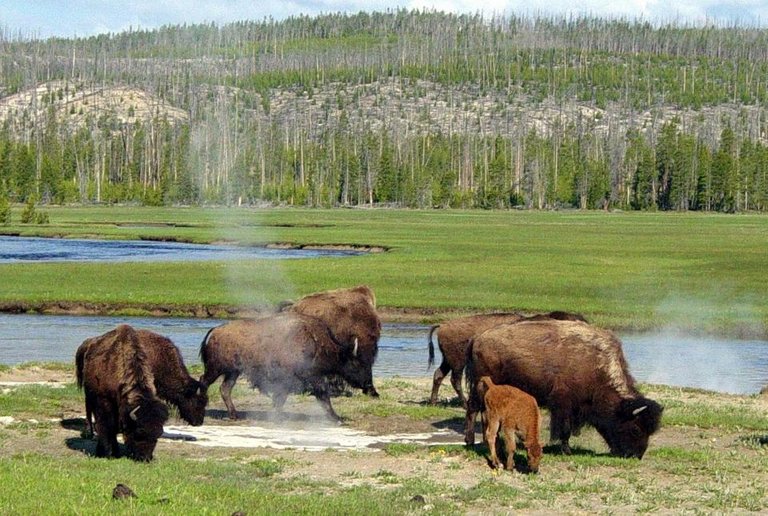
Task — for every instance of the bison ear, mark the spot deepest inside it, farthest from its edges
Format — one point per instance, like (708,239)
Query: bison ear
(133,412)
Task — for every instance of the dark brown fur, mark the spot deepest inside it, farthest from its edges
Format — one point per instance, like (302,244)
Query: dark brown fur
(454,336)
(172,380)
(351,315)
(576,370)
(115,376)
(281,354)
(514,412)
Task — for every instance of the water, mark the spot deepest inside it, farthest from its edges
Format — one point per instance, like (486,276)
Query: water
(33,249)
(732,366)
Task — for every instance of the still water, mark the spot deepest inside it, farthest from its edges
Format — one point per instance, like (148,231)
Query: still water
(733,366)
(16,249)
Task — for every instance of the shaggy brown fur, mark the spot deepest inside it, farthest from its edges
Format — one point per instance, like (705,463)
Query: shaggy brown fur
(119,390)
(576,370)
(281,354)
(171,377)
(351,315)
(514,412)
(454,336)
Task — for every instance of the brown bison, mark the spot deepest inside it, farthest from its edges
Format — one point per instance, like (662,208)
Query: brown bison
(173,383)
(454,336)
(114,373)
(576,370)
(514,412)
(351,315)
(281,354)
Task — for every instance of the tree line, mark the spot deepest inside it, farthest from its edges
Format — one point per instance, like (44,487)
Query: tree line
(406,108)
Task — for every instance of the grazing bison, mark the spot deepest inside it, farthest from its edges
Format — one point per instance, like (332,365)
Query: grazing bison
(351,315)
(281,354)
(114,373)
(576,370)
(171,377)
(514,412)
(453,338)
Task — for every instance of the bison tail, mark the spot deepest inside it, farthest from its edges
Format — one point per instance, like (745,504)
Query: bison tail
(79,364)
(432,346)
(470,379)
(204,346)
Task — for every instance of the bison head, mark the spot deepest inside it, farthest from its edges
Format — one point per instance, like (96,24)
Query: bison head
(193,402)
(142,428)
(357,370)
(636,419)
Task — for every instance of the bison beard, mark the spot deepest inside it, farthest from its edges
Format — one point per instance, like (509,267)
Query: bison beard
(576,370)
(281,354)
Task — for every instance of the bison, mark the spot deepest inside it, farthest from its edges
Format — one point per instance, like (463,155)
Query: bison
(576,370)
(172,380)
(351,315)
(514,412)
(453,338)
(280,354)
(114,373)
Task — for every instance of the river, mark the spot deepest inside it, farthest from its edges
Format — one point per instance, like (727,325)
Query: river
(724,365)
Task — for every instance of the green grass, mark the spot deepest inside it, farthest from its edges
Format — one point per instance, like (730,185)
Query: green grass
(678,474)
(623,270)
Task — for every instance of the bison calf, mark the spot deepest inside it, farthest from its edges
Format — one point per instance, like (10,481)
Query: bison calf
(514,412)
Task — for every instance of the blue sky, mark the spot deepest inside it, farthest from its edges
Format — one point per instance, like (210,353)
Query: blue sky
(45,18)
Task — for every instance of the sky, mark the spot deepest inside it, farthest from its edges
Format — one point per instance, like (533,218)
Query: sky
(67,18)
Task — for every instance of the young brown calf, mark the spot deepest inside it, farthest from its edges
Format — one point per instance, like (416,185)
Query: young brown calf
(515,412)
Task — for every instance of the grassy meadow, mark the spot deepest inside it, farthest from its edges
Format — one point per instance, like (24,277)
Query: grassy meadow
(700,272)
(623,270)
(709,457)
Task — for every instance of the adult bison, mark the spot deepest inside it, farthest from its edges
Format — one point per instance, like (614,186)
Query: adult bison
(114,373)
(576,370)
(454,336)
(280,354)
(172,380)
(351,315)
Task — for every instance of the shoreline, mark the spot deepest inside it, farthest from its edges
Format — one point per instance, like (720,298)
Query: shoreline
(411,315)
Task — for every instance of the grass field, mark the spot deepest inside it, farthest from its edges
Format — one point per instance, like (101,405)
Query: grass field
(701,272)
(709,457)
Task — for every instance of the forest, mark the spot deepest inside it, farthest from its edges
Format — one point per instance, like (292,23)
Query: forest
(401,108)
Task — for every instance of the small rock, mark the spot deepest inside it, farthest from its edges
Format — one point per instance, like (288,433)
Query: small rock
(418,499)
(6,420)
(122,491)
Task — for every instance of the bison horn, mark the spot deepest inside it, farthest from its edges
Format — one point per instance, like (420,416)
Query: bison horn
(638,410)
(133,413)
(354,351)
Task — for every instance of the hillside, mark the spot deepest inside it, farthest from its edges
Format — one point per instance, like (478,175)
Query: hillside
(413,108)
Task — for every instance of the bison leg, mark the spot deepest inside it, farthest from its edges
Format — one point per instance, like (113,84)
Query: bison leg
(560,429)
(510,444)
(456,382)
(226,392)
(325,401)
(107,428)
(437,379)
(491,432)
